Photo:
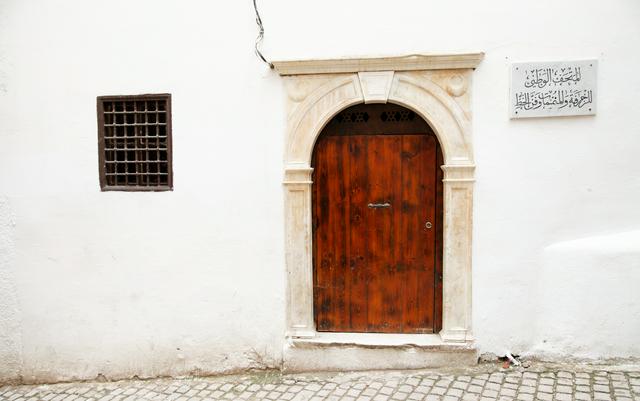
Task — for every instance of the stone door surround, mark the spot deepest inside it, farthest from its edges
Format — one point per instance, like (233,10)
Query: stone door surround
(438,88)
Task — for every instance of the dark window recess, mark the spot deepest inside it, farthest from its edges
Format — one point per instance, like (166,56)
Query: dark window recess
(398,115)
(352,117)
(379,118)
(134,134)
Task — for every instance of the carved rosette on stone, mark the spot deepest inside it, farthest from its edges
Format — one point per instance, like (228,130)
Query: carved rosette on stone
(437,88)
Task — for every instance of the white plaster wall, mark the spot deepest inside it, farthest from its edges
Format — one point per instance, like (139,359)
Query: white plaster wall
(147,284)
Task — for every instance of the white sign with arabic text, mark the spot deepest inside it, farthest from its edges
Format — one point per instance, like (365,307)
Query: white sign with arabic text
(549,89)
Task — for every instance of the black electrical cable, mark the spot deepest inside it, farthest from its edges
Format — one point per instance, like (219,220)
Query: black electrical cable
(260,36)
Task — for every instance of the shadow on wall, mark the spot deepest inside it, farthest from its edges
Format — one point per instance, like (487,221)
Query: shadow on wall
(588,298)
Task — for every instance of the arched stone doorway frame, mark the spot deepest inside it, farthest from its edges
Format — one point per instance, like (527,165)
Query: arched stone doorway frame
(438,89)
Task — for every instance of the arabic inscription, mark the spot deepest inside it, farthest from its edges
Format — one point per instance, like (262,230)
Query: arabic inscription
(553,89)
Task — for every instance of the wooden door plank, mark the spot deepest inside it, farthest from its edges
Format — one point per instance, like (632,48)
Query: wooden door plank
(340,207)
(394,260)
(409,218)
(374,231)
(321,289)
(421,196)
(358,239)
(383,168)
(335,252)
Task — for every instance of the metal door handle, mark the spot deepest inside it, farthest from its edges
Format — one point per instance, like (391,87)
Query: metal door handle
(428,225)
(379,205)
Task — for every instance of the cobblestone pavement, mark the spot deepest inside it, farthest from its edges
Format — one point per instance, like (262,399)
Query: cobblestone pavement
(483,383)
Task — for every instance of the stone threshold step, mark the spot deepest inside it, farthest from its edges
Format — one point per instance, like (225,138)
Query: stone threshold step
(356,351)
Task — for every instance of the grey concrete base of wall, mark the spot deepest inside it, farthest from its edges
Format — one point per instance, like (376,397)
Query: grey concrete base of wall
(308,357)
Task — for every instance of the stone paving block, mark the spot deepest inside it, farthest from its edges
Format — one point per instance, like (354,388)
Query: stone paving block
(287,396)
(422,389)
(400,396)
(304,395)
(544,396)
(386,390)
(583,396)
(620,384)
(462,385)
(601,397)
(474,389)
(542,388)
(341,391)
(375,385)
(438,390)
(413,381)
(405,388)
(527,390)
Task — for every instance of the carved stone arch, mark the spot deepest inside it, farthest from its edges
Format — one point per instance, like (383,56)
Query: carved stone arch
(315,111)
(425,97)
(438,109)
(436,89)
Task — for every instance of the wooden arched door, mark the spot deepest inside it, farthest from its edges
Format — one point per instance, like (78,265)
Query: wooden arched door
(377,223)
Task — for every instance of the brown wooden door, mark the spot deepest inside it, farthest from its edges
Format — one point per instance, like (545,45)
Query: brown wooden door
(377,231)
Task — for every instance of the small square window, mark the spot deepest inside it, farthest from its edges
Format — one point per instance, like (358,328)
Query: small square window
(134,137)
